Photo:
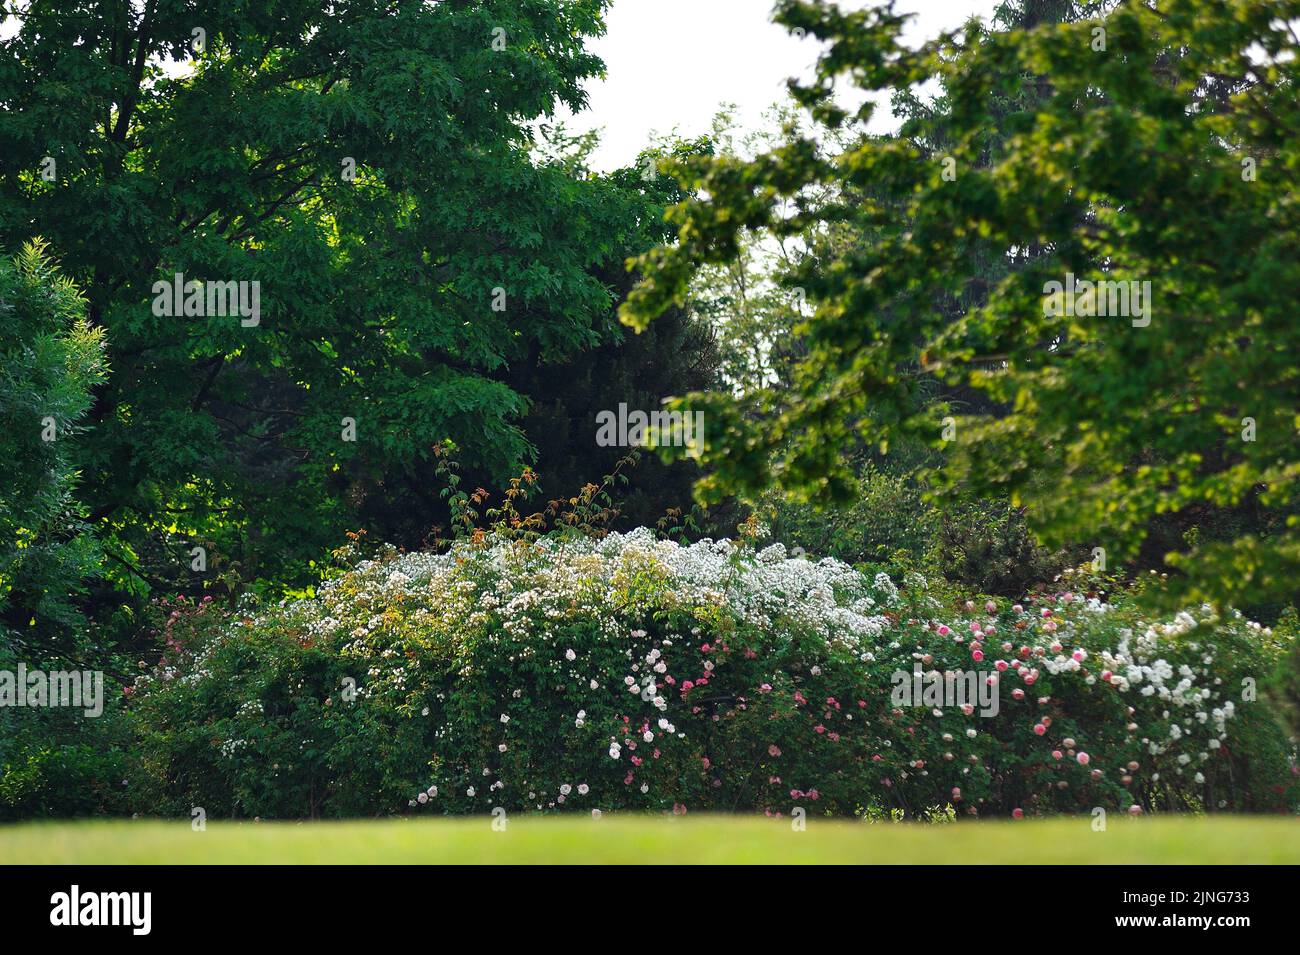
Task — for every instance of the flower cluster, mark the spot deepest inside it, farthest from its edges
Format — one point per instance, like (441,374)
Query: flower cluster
(635,673)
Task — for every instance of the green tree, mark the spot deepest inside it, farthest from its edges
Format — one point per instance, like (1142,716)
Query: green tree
(1160,148)
(373,167)
(50,359)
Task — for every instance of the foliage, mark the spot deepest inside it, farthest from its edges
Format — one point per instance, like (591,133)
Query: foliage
(56,761)
(426,246)
(1159,146)
(50,359)
(982,546)
(631,673)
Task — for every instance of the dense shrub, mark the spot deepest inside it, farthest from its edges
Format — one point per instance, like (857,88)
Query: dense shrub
(987,546)
(56,761)
(631,673)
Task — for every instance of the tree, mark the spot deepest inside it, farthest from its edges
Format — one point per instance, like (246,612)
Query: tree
(318,240)
(1158,157)
(50,359)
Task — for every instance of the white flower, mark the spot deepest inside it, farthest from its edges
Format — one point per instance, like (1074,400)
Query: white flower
(505,718)
(583,789)
(470,792)
(595,814)
(570,655)
(615,750)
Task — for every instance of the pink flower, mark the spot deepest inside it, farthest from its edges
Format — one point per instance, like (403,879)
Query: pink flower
(1057,754)
(1083,759)
(774,750)
(1017,813)
(765,688)
(1000,665)
(819,728)
(977,655)
(943,630)
(1040,729)
(795,794)
(1017,694)
(814,795)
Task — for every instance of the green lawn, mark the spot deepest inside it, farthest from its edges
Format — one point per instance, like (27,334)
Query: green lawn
(640,839)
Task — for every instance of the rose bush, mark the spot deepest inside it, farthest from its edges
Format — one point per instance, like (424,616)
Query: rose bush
(631,673)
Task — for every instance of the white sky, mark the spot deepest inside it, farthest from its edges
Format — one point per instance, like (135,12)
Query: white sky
(671,63)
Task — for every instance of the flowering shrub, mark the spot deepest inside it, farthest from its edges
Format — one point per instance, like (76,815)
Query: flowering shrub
(634,673)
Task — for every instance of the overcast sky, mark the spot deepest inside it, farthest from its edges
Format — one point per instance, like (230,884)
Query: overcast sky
(671,63)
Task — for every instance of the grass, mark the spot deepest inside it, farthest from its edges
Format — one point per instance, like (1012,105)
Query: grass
(641,839)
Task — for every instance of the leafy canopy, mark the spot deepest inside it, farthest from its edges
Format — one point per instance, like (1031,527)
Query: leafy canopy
(50,359)
(375,168)
(1161,145)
